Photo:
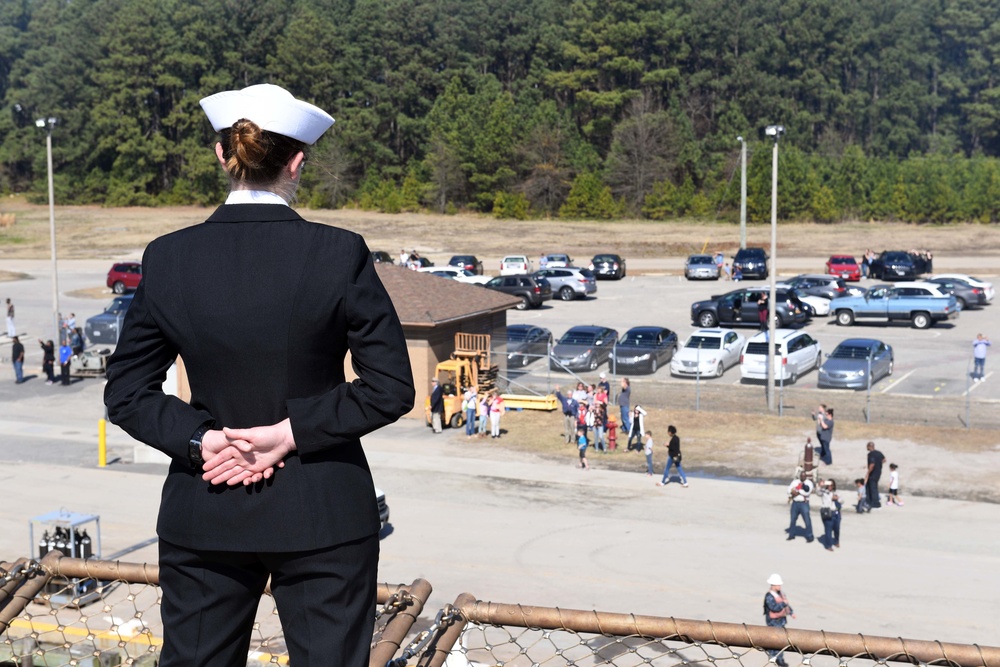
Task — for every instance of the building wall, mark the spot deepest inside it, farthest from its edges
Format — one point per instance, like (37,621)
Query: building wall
(429,346)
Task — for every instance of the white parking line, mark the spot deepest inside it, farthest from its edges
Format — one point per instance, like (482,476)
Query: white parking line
(974,385)
(896,382)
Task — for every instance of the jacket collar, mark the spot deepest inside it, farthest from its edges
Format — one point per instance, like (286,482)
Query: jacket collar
(253,213)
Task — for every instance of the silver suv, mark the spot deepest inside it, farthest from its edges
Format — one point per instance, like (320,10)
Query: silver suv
(569,282)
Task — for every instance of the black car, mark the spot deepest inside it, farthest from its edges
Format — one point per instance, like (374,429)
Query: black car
(583,348)
(828,287)
(467,262)
(739,307)
(965,293)
(526,343)
(752,262)
(105,328)
(533,292)
(644,349)
(893,265)
(382,257)
(608,266)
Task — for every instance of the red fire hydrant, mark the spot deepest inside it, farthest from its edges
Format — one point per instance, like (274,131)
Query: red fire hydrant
(612,432)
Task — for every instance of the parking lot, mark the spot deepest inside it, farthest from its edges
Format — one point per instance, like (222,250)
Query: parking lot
(928,363)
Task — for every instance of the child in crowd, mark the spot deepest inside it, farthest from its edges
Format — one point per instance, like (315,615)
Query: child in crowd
(600,427)
(581,443)
(893,497)
(862,505)
(647,449)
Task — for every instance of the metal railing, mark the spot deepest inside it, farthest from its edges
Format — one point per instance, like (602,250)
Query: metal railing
(67,611)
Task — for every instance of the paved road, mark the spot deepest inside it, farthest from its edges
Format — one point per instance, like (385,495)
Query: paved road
(471,518)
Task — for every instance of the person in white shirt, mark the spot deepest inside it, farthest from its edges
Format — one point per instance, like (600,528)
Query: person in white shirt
(636,430)
(647,449)
(893,497)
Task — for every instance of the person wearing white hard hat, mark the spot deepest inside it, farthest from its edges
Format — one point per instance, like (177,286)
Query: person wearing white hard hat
(268,479)
(776,612)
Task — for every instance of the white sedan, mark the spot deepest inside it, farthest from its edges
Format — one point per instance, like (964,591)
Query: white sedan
(456,273)
(820,306)
(708,352)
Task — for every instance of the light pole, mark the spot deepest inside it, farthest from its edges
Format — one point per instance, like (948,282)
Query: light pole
(772,131)
(743,192)
(47,124)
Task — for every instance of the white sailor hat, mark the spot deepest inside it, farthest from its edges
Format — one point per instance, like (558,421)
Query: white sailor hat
(774,580)
(272,108)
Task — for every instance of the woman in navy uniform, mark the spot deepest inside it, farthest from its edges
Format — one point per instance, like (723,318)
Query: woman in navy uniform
(267,476)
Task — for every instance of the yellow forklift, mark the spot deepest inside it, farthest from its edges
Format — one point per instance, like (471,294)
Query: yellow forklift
(471,364)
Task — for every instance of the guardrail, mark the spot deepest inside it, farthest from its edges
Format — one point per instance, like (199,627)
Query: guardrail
(68,611)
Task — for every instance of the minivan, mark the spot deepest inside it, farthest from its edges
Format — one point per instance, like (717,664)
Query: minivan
(796,352)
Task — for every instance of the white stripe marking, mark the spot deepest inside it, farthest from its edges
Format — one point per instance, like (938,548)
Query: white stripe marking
(896,382)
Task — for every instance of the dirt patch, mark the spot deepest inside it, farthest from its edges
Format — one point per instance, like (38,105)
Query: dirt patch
(932,460)
(95,232)
(7,276)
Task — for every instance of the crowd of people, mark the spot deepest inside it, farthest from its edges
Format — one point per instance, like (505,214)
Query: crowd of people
(807,483)
(479,412)
(410,259)
(585,414)
(71,343)
(585,411)
(777,609)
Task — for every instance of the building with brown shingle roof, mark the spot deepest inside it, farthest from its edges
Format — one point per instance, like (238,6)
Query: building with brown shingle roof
(432,310)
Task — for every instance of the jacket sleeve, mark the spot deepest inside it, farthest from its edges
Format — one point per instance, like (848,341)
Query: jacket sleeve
(134,393)
(383,391)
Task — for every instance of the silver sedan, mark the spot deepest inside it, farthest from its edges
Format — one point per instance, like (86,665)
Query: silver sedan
(701,267)
(857,363)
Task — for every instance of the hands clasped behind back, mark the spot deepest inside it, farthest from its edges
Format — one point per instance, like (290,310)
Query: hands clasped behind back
(246,455)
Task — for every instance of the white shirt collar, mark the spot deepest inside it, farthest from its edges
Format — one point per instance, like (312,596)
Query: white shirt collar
(254,197)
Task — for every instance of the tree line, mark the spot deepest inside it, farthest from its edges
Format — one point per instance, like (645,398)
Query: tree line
(524,108)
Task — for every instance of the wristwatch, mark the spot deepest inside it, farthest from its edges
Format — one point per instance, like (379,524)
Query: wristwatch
(194,447)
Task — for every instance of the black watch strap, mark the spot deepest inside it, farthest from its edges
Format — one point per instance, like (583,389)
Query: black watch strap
(194,447)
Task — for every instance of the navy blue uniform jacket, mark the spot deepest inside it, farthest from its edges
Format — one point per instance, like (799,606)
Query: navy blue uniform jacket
(262,306)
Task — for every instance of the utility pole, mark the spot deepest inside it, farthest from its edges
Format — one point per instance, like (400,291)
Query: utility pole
(743,192)
(772,131)
(47,124)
